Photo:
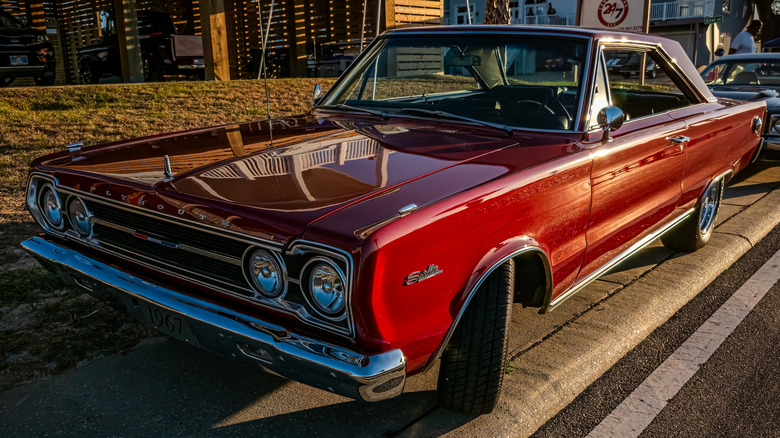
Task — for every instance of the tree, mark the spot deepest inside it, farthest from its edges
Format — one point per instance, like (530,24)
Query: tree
(497,12)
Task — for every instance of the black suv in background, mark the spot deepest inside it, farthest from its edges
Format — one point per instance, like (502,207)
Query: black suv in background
(163,52)
(24,52)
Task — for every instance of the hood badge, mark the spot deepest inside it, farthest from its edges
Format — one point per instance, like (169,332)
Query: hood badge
(167,169)
(418,276)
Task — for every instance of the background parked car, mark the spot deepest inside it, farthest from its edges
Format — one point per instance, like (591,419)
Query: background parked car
(627,64)
(24,52)
(751,76)
(163,52)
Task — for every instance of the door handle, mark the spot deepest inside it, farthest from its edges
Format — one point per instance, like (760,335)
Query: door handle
(679,139)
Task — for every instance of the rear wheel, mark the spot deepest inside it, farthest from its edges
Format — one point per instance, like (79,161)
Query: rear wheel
(152,71)
(45,80)
(695,231)
(472,364)
(88,73)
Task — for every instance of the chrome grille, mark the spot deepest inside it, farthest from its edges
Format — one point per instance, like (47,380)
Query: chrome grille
(198,254)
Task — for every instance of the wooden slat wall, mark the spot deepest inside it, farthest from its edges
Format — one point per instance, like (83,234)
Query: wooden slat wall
(296,26)
(406,13)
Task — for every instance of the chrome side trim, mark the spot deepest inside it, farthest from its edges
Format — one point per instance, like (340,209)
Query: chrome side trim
(227,332)
(476,287)
(609,265)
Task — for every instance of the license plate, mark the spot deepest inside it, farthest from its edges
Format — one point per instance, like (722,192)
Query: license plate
(19,60)
(168,323)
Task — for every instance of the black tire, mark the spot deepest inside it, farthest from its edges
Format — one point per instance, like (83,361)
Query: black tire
(45,80)
(472,364)
(695,231)
(88,73)
(4,82)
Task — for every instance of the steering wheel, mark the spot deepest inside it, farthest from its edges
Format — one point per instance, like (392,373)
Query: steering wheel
(550,105)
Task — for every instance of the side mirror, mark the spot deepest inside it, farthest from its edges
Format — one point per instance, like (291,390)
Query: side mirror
(317,95)
(719,52)
(610,118)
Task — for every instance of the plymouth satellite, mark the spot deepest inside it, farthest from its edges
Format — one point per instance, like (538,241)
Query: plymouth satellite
(447,175)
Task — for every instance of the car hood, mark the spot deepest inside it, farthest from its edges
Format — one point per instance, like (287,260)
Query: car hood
(315,165)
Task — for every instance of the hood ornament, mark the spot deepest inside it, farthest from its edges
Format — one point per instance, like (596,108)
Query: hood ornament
(167,169)
(74,150)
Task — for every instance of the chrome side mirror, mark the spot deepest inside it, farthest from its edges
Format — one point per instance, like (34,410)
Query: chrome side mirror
(317,95)
(610,118)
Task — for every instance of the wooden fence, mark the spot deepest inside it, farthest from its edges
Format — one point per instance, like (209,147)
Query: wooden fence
(297,29)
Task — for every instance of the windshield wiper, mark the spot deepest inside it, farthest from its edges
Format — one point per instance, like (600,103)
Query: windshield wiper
(447,115)
(344,106)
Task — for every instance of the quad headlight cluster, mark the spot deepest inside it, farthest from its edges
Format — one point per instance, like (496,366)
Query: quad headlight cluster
(320,280)
(47,207)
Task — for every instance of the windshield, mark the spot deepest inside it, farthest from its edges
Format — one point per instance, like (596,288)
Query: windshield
(765,73)
(7,20)
(518,81)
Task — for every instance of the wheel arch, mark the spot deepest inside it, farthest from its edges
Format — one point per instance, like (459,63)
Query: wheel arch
(529,258)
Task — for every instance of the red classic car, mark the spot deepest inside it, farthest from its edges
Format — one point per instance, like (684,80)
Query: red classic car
(446,175)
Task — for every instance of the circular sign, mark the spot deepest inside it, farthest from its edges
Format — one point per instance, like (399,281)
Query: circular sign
(612,12)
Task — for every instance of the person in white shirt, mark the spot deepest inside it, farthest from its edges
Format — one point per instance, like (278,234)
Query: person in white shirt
(744,42)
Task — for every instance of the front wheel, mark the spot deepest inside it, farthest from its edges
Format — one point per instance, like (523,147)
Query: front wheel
(472,364)
(695,231)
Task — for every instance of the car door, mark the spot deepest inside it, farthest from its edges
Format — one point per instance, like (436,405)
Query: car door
(637,172)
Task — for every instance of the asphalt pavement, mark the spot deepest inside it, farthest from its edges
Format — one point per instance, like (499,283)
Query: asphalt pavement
(736,392)
(169,388)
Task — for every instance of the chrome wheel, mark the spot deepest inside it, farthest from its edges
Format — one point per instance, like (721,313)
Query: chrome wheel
(709,207)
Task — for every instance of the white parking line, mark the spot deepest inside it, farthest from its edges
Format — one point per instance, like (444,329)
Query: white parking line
(639,409)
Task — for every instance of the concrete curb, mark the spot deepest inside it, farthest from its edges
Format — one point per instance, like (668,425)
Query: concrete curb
(550,375)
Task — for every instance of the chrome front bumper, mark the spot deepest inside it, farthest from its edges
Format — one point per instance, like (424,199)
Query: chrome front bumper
(226,332)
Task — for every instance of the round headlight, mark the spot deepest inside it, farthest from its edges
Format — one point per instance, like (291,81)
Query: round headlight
(79,216)
(265,273)
(50,206)
(327,289)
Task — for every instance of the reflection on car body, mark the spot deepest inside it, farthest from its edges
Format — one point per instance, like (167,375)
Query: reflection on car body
(750,77)
(449,173)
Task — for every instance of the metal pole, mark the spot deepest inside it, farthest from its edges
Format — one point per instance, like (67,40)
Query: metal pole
(265,38)
(260,26)
(468,10)
(378,16)
(363,26)
(265,75)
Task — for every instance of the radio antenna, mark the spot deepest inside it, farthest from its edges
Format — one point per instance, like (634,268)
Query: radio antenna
(263,71)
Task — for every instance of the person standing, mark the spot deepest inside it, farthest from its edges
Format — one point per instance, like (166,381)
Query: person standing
(744,42)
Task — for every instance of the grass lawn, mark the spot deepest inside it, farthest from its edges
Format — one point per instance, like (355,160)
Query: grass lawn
(47,326)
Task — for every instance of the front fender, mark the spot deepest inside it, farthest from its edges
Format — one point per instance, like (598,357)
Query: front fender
(503,252)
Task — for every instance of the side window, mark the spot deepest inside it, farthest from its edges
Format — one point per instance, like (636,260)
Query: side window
(600,97)
(660,91)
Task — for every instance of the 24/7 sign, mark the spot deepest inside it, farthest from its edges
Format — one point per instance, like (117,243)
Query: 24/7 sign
(631,15)
(612,13)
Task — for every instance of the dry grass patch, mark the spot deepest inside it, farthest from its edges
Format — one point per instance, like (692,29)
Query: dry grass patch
(46,325)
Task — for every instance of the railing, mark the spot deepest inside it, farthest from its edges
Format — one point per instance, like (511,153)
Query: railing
(676,9)
(544,20)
